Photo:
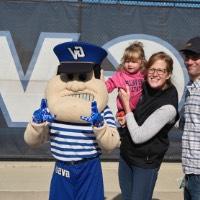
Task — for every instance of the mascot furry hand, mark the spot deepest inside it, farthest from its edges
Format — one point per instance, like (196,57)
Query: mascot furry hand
(75,117)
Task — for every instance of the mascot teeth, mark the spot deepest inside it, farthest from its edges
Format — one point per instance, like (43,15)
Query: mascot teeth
(85,96)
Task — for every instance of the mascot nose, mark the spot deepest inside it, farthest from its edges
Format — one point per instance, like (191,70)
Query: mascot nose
(75,86)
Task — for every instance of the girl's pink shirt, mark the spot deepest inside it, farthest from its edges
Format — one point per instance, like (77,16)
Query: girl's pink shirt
(122,78)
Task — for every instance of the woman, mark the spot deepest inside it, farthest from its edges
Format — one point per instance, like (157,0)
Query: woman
(145,141)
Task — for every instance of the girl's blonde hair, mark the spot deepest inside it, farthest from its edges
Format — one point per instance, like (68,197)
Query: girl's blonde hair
(134,52)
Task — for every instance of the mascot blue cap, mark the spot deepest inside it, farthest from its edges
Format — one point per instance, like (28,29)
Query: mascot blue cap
(78,57)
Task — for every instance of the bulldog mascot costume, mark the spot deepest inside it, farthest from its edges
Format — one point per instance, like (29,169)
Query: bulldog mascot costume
(75,118)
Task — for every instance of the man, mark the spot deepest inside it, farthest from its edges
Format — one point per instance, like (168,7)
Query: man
(191,119)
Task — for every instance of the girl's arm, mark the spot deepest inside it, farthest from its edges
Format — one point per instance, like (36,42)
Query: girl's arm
(112,82)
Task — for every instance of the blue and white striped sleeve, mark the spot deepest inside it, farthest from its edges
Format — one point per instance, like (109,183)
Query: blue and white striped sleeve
(108,117)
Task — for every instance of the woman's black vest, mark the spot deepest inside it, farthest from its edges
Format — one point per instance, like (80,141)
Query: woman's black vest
(149,154)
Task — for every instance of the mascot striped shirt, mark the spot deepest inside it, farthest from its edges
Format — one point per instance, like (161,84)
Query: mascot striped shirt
(76,141)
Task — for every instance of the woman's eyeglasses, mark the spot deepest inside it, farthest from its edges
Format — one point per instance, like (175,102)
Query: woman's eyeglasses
(158,71)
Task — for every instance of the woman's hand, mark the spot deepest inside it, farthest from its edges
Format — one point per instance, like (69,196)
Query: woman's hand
(124,95)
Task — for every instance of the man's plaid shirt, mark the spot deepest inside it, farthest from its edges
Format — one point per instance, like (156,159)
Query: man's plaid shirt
(191,131)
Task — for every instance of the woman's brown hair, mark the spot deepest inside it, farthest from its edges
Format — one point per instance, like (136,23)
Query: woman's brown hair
(161,56)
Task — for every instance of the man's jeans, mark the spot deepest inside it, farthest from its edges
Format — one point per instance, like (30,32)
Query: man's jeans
(192,187)
(136,183)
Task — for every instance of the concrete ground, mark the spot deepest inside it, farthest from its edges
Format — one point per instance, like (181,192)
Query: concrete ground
(30,181)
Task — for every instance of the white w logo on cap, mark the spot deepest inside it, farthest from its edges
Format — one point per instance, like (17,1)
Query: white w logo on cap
(77,52)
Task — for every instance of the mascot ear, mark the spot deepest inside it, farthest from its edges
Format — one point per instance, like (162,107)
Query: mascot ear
(102,76)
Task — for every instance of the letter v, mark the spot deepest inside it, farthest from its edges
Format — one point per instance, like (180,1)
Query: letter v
(20,94)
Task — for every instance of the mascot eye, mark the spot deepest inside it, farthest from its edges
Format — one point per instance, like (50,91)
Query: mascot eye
(70,77)
(82,77)
(66,77)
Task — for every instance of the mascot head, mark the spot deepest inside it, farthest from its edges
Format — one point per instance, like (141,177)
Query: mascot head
(78,82)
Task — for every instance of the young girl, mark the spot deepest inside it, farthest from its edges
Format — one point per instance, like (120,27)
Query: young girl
(129,73)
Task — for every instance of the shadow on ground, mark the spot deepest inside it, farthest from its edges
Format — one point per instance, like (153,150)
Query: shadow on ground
(119,197)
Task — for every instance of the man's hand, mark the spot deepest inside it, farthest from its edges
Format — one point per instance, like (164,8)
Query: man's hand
(95,119)
(42,114)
